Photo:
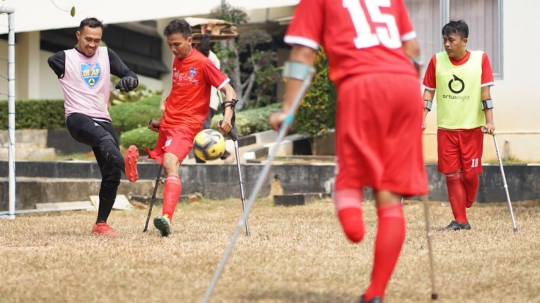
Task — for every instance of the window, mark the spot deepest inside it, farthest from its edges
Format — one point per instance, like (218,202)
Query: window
(484,18)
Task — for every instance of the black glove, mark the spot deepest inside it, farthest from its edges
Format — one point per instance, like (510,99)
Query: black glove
(127,83)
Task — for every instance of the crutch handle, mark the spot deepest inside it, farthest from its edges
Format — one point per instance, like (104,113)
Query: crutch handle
(484,130)
(232,133)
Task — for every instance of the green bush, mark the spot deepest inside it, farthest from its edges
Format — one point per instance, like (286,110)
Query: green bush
(141,137)
(251,120)
(132,115)
(317,113)
(35,114)
(247,122)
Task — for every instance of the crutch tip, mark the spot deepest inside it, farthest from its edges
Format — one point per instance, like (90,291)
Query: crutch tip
(515,229)
(434,296)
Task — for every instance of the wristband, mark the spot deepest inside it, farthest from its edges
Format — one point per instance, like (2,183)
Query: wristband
(487,104)
(428,105)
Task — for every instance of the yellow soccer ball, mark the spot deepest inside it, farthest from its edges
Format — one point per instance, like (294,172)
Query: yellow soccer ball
(209,145)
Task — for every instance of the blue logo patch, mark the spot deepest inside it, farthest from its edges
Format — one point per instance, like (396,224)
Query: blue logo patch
(91,73)
(192,72)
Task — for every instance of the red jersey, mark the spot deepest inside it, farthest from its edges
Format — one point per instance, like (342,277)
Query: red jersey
(189,101)
(487,74)
(359,36)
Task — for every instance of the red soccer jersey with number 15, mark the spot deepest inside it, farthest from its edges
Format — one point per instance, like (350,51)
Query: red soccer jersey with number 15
(359,36)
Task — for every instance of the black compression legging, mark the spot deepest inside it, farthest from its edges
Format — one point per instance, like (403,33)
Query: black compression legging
(104,142)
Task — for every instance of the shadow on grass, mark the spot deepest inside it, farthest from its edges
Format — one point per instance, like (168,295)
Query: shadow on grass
(298,296)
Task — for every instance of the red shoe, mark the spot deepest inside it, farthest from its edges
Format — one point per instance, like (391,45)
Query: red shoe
(104,229)
(130,161)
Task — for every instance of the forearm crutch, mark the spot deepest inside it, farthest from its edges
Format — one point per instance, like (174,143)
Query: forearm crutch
(434,294)
(303,73)
(153,199)
(233,133)
(504,180)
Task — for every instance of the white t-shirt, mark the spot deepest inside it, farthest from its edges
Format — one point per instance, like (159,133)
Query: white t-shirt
(215,95)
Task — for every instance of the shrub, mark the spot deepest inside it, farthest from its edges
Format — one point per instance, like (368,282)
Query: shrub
(247,122)
(317,113)
(35,114)
(141,137)
(132,115)
(251,120)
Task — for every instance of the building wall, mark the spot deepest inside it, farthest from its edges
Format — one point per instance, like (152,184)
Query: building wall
(514,96)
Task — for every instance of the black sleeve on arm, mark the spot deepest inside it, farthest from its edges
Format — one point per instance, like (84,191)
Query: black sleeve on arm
(118,68)
(205,43)
(57,62)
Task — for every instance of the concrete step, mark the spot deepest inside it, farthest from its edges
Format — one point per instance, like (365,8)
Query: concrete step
(32,192)
(27,138)
(298,198)
(24,153)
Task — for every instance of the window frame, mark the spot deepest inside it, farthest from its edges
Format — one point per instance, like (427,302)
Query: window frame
(444,6)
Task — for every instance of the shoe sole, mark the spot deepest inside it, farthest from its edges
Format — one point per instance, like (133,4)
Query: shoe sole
(130,161)
(163,226)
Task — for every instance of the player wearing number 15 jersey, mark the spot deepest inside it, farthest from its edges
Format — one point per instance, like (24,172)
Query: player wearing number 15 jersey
(370,44)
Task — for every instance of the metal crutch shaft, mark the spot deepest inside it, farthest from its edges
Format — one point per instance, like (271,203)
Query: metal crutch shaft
(504,182)
(153,199)
(234,136)
(248,233)
(260,180)
(434,294)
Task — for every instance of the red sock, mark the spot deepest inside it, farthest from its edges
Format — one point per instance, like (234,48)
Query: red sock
(171,193)
(456,195)
(388,243)
(349,207)
(470,182)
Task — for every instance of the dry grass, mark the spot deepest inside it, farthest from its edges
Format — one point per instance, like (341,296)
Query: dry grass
(296,254)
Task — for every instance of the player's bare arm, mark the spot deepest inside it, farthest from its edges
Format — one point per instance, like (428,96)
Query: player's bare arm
(428,101)
(488,112)
(230,94)
(302,54)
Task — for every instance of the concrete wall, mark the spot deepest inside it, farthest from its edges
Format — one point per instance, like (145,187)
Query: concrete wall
(221,181)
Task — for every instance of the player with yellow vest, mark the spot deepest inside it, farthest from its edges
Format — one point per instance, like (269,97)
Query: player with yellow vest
(461,80)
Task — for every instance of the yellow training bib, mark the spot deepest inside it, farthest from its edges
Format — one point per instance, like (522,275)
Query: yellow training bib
(459,92)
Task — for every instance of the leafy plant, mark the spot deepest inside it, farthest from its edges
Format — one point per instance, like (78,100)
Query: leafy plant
(259,65)
(140,92)
(317,113)
(251,121)
(141,137)
(128,116)
(35,114)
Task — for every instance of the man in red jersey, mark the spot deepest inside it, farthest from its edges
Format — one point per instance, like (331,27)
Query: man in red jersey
(462,80)
(186,109)
(379,113)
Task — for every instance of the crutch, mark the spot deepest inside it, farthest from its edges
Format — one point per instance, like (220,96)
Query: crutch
(234,136)
(434,294)
(153,199)
(305,76)
(504,180)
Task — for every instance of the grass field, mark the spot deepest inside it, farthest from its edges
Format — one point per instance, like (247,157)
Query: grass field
(295,254)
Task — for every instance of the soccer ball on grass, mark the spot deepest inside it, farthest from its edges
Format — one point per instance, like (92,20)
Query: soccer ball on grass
(209,145)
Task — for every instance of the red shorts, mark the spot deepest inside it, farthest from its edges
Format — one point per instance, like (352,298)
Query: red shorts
(379,134)
(177,141)
(460,149)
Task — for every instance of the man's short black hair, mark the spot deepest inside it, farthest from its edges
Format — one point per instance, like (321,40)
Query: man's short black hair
(456,27)
(178,26)
(90,22)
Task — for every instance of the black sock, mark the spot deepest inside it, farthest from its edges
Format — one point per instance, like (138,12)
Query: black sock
(107,196)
